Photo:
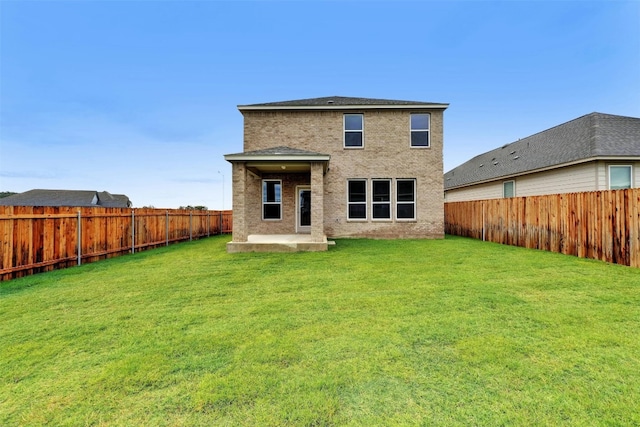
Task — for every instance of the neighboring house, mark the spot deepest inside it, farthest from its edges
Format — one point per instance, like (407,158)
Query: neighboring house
(593,152)
(67,198)
(339,167)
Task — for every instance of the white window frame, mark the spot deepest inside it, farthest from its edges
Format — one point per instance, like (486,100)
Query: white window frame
(630,167)
(349,203)
(404,202)
(264,203)
(387,202)
(427,130)
(513,182)
(345,131)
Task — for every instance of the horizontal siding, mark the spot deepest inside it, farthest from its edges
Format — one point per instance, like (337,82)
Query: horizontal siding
(491,190)
(571,179)
(592,176)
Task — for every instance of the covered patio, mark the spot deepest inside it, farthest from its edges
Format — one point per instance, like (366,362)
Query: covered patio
(278,200)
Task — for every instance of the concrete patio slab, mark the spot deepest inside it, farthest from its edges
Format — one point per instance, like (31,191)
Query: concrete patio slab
(279,243)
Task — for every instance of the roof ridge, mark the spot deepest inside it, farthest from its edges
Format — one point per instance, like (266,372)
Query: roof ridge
(338,101)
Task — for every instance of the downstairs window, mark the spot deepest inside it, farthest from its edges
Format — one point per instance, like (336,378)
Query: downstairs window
(271,199)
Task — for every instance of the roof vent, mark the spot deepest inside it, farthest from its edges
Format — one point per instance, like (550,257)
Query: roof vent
(330,101)
(481,165)
(495,163)
(516,157)
(512,152)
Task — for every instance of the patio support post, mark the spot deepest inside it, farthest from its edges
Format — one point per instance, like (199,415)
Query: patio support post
(239,189)
(317,202)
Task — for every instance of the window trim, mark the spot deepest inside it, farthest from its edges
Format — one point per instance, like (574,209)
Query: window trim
(345,131)
(388,202)
(349,203)
(414,202)
(512,181)
(412,130)
(279,203)
(629,167)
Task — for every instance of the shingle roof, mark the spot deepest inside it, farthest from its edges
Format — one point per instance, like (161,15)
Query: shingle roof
(341,101)
(109,200)
(282,150)
(276,152)
(79,198)
(587,137)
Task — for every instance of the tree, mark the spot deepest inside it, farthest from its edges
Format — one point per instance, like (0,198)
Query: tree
(194,208)
(4,194)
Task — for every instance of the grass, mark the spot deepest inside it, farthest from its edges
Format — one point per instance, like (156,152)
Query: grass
(449,332)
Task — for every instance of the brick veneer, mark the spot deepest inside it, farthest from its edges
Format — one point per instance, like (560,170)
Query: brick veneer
(386,154)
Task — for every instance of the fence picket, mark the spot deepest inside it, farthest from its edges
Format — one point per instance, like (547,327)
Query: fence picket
(44,238)
(602,225)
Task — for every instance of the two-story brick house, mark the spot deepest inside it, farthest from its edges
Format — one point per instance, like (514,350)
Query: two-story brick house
(338,167)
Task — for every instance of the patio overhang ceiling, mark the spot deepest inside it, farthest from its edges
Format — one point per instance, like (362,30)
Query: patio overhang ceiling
(279,160)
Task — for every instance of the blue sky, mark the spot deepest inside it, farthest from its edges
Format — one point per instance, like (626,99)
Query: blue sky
(139,97)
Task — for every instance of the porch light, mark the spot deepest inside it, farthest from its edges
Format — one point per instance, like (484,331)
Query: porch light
(283,167)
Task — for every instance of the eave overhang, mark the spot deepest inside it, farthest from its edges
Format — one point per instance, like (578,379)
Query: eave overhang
(247,157)
(261,163)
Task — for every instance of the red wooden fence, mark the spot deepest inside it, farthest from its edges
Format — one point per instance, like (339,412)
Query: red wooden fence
(36,239)
(602,225)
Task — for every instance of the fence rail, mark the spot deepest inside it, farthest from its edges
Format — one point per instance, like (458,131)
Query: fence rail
(602,225)
(36,239)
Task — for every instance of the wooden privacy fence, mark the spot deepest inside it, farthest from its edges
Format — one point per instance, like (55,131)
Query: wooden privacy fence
(36,239)
(602,225)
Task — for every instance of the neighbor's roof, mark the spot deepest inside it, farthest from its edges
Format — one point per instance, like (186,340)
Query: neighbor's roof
(586,138)
(342,102)
(79,198)
(109,200)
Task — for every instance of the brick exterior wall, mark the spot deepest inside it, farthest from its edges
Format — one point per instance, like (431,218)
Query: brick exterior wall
(386,154)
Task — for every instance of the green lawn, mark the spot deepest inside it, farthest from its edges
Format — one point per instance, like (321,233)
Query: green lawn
(446,332)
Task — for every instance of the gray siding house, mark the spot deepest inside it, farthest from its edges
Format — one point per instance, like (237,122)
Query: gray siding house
(593,152)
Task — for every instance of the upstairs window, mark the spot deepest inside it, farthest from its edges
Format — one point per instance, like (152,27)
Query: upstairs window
(353,130)
(271,199)
(381,203)
(420,125)
(357,199)
(406,199)
(619,177)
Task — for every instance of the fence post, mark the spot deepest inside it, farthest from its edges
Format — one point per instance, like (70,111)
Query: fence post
(483,239)
(133,231)
(208,223)
(167,228)
(221,217)
(79,238)
(190,225)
